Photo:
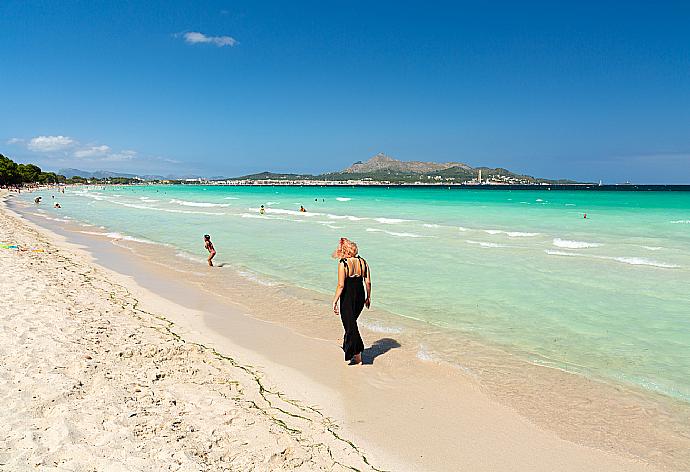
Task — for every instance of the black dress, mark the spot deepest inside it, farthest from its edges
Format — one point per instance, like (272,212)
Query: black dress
(351,305)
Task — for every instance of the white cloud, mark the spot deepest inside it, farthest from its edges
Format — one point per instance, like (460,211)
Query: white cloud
(50,143)
(194,37)
(92,151)
(15,141)
(126,155)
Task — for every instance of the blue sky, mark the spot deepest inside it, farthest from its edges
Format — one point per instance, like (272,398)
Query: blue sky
(585,90)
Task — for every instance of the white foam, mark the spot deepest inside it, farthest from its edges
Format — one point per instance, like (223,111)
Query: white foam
(390,221)
(485,244)
(343,217)
(561,253)
(680,222)
(570,204)
(423,354)
(519,234)
(148,199)
(199,204)
(558,242)
(189,257)
(539,200)
(255,278)
(652,248)
(626,260)
(379,328)
(343,199)
(511,234)
(168,210)
(460,228)
(643,261)
(395,233)
(282,211)
(231,198)
(430,225)
(119,236)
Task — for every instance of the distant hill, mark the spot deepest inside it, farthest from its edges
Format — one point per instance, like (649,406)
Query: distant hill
(384,168)
(381,162)
(99,174)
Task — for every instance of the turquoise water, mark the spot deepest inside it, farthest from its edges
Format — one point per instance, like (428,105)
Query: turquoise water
(606,296)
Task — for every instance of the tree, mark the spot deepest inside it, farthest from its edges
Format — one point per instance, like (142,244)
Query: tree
(9,174)
(29,172)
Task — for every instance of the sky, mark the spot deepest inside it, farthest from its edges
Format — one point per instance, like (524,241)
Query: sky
(587,90)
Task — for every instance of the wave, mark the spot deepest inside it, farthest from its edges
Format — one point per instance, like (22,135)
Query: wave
(395,233)
(255,278)
(570,204)
(460,228)
(652,248)
(626,260)
(379,328)
(148,199)
(423,354)
(558,242)
(485,244)
(119,236)
(198,204)
(511,234)
(189,257)
(680,222)
(282,211)
(231,198)
(343,199)
(391,221)
(168,210)
(539,200)
(343,217)
(430,225)
(643,261)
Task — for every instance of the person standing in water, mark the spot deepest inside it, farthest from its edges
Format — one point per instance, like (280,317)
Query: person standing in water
(209,247)
(353,275)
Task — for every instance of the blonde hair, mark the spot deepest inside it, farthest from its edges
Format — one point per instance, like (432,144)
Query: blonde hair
(346,248)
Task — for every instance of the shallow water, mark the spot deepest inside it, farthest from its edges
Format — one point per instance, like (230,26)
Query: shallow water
(606,296)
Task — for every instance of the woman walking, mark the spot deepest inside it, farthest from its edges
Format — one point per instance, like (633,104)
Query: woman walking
(353,274)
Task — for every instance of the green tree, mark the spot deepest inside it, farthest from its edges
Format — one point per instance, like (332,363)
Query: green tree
(29,172)
(9,174)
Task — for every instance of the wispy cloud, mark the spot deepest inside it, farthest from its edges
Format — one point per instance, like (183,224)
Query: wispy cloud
(50,143)
(92,151)
(66,150)
(194,37)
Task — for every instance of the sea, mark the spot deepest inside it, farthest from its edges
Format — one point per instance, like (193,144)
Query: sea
(591,282)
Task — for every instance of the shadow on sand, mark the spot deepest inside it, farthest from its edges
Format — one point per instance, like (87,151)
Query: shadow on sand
(377,349)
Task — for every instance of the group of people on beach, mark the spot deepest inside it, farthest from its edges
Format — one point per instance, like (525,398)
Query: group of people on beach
(352,293)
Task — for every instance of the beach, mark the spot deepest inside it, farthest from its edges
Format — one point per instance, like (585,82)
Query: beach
(114,360)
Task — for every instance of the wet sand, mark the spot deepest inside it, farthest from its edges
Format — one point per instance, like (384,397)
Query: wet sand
(401,413)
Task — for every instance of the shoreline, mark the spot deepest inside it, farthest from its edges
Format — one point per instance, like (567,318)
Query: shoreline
(484,420)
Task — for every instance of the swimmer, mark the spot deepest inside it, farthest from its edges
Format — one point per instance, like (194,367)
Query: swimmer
(37,200)
(209,247)
(302,209)
(585,217)
(262,210)
(57,205)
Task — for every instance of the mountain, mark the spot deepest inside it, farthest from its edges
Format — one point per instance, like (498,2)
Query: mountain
(99,174)
(382,162)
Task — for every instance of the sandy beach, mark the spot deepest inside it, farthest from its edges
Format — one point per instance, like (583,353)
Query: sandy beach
(107,370)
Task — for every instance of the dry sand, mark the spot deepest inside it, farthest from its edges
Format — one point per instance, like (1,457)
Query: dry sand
(99,373)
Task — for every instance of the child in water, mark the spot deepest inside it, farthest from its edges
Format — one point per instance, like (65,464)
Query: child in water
(209,247)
